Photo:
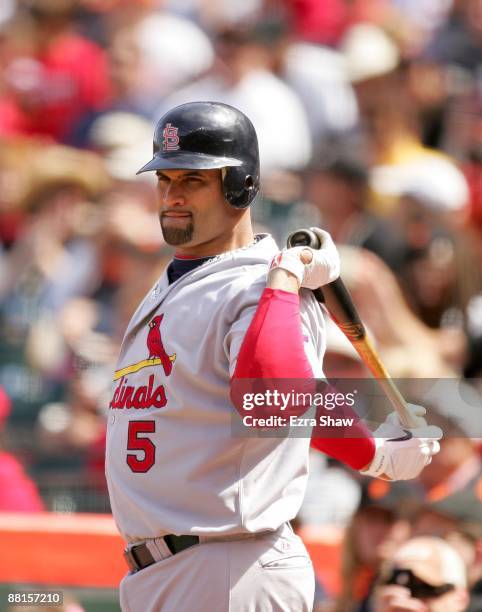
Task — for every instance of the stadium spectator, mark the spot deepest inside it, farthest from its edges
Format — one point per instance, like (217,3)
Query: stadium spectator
(243,78)
(373,535)
(425,575)
(18,492)
(54,77)
(337,183)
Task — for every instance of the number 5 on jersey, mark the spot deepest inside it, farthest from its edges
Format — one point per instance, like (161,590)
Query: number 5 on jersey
(143,459)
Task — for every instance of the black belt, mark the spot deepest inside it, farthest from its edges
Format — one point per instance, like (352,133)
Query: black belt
(139,556)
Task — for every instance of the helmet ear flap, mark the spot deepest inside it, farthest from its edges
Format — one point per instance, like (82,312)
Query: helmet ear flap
(239,188)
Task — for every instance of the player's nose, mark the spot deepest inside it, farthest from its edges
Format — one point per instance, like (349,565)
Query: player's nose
(173,195)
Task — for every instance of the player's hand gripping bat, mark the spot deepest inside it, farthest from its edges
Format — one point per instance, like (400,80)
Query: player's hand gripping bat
(340,305)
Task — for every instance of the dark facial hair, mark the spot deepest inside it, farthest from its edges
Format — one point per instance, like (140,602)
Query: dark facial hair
(176,236)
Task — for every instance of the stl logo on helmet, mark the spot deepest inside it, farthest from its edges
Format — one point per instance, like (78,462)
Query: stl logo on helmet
(170,140)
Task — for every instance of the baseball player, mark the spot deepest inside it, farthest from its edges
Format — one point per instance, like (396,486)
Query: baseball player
(205,514)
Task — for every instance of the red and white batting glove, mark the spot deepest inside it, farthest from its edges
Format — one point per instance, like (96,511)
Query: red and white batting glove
(323,268)
(402,453)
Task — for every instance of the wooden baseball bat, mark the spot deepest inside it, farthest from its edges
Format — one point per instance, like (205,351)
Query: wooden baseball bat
(339,304)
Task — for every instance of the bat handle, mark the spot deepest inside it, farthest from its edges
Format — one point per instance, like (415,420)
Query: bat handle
(303,237)
(339,303)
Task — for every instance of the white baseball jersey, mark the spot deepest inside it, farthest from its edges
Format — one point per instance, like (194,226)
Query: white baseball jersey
(172,462)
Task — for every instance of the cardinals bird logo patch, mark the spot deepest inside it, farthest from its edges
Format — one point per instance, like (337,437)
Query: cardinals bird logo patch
(157,353)
(155,345)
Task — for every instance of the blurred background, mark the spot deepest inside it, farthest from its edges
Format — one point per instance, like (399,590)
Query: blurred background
(369,117)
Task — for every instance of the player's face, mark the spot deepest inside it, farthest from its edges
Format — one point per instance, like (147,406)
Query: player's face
(193,212)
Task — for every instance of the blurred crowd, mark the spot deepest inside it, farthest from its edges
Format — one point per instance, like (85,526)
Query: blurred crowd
(369,116)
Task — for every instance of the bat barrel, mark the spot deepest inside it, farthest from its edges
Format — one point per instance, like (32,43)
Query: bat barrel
(373,362)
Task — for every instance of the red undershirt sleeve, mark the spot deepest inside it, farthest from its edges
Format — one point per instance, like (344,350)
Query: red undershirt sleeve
(273,344)
(273,348)
(357,452)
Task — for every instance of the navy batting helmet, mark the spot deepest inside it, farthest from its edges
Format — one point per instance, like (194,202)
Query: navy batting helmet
(207,135)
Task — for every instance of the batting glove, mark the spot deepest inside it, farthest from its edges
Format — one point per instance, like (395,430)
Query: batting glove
(323,268)
(401,453)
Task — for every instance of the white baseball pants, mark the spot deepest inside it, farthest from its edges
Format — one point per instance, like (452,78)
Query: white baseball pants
(269,573)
